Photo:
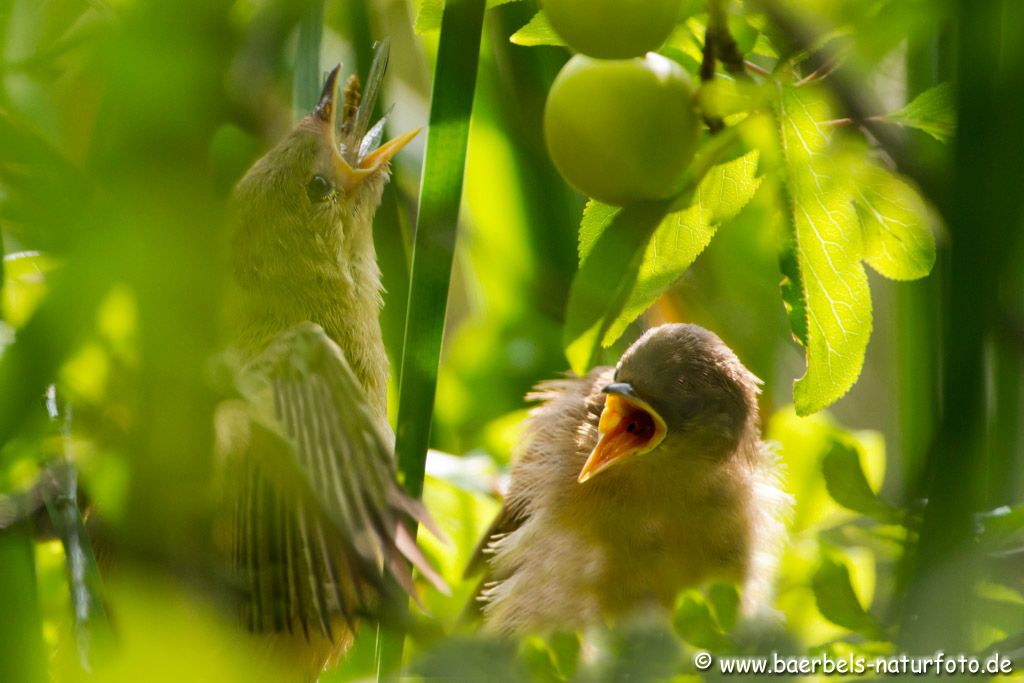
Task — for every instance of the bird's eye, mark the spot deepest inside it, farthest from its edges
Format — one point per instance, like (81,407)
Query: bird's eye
(319,189)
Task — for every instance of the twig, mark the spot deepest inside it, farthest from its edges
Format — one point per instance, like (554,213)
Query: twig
(760,71)
(707,65)
(726,49)
(838,123)
(720,45)
(823,71)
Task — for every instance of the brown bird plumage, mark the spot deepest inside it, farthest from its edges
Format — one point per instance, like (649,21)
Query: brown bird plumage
(633,483)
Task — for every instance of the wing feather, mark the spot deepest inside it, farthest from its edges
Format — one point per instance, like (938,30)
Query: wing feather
(323,513)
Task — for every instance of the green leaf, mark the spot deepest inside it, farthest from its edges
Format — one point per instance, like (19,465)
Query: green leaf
(792,287)
(428,18)
(683,235)
(743,33)
(24,286)
(829,249)
(614,245)
(898,237)
(848,486)
(932,112)
(1001,527)
(836,598)
(596,218)
(555,657)
(606,276)
(724,600)
(695,623)
(538,31)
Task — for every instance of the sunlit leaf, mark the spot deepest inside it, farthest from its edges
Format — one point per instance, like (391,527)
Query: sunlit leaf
(24,285)
(463,515)
(683,235)
(743,33)
(836,598)
(848,485)
(605,279)
(829,249)
(898,238)
(932,112)
(537,32)
(613,245)
(596,218)
(792,289)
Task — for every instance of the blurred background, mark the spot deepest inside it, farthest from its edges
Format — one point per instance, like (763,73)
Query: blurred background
(124,125)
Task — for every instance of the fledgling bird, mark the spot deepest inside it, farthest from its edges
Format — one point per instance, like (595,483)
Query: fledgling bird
(317,514)
(633,483)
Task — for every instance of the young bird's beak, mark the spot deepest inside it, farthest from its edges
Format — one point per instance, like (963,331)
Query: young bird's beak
(628,426)
(348,177)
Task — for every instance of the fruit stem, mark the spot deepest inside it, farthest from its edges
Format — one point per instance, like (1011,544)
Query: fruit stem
(719,45)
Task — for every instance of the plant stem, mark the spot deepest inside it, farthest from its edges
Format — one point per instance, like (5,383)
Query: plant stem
(444,169)
(306,85)
(984,197)
(436,228)
(22,653)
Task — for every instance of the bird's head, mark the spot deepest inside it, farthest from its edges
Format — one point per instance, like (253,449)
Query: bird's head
(327,175)
(679,389)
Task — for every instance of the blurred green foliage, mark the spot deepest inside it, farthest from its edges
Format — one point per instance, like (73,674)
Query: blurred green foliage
(124,124)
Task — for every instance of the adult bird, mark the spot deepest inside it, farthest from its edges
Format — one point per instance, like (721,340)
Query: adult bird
(316,531)
(633,483)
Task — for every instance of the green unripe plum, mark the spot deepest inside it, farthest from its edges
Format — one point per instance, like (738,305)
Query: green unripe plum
(622,131)
(612,29)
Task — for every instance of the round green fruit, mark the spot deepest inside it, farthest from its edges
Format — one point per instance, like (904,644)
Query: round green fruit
(622,131)
(613,29)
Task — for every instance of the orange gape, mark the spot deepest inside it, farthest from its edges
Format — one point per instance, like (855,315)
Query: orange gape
(627,428)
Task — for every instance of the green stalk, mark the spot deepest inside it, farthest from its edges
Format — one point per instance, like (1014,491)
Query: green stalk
(917,329)
(436,225)
(444,168)
(985,197)
(306,86)
(21,627)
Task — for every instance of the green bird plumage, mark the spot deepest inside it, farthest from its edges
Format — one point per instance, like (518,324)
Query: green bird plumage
(316,514)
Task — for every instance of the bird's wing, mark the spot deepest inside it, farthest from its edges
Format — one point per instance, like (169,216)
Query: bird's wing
(318,511)
(568,407)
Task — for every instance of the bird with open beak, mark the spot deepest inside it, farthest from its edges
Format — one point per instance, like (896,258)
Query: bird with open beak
(633,483)
(317,517)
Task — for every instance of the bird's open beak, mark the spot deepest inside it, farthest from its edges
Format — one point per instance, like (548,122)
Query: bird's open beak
(350,177)
(628,426)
